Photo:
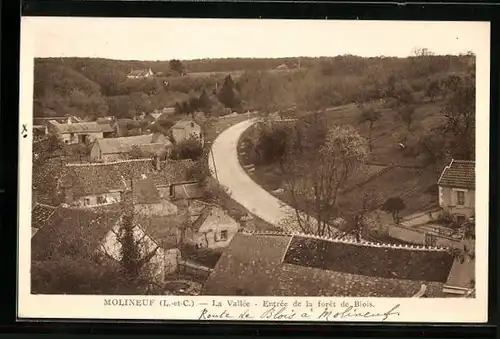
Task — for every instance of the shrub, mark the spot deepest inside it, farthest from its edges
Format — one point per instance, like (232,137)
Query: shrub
(187,149)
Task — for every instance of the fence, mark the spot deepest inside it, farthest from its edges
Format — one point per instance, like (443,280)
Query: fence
(416,236)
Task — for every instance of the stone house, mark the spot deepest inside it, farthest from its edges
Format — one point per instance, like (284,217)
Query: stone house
(140,74)
(97,184)
(276,264)
(114,149)
(80,132)
(184,130)
(457,190)
(74,231)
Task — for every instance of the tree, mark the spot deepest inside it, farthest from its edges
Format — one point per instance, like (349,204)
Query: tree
(356,207)
(460,113)
(272,142)
(406,114)
(227,95)
(136,153)
(369,115)
(393,206)
(176,66)
(314,182)
(188,149)
(433,89)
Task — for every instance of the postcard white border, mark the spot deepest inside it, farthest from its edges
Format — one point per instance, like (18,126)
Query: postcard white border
(92,307)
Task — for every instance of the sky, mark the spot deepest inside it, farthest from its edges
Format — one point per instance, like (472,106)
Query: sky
(166,39)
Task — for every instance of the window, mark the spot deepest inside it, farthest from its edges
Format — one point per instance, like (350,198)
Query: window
(460,198)
(86,202)
(101,199)
(430,239)
(223,235)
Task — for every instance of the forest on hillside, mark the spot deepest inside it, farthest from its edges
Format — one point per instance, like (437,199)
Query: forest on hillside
(92,88)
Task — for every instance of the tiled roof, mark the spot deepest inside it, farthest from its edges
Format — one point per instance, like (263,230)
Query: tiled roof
(459,174)
(101,178)
(282,265)
(40,214)
(189,190)
(123,144)
(383,262)
(186,124)
(72,232)
(79,127)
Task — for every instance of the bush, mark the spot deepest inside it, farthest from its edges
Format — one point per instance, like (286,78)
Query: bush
(272,143)
(187,149)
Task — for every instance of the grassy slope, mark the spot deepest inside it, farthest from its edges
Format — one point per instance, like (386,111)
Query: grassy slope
(415,186)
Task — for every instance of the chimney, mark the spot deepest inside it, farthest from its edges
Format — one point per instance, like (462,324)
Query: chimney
(69,120)
(157,163)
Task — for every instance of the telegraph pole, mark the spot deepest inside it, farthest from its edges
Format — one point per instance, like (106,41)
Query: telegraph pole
(215,166)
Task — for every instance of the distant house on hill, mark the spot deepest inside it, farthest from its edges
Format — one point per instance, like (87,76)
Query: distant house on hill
(184,129)
(113,149)
(282,67)
(457,189)
(80,132)
(285,265)
(97,231)
(96,184)
(68,119)
(140,74)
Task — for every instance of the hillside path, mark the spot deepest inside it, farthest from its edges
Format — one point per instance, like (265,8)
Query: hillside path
(226,168)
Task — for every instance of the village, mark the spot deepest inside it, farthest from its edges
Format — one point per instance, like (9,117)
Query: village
(186,204)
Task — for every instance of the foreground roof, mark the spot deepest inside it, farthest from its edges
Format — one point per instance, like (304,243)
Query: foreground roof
(299,265)
(125,144)
(459,174)
(95,178)
(81,127)
(72,232)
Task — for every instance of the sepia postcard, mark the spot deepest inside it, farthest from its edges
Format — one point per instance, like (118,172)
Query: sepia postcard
(253,170)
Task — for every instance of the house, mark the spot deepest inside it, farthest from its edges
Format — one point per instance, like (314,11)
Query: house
(258,264)
(40,131)
(108,124)
(68,119)
(96,184)
(140,74)
(457,189)
(80,132)
(183,130)
(212,228)
(282,67)
(201,226)
(76,232)
(113,149)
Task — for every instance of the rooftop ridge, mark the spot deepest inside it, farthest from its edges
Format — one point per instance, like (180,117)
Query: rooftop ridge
(372,244)
(465,161)
(90,164)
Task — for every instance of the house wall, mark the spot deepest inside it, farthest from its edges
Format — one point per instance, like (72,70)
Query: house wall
(418,237)
(162,263)
(91,200)
(183,133)
(210,234)
(76,138)
(448,201)
(95,152)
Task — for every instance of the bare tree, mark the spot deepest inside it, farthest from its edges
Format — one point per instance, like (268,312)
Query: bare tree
(406,113)
(370,116)
(460,113)
(315,181)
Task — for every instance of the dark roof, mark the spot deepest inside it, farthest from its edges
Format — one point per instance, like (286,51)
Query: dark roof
(125,144)
(459,174)
(145,191)
(262,265)
(100,178)
(79,127)
(72,232)
(164,229)
(383,262)
(188,190)
(248,265)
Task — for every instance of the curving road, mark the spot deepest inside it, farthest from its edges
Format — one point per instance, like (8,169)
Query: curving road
(240,186)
